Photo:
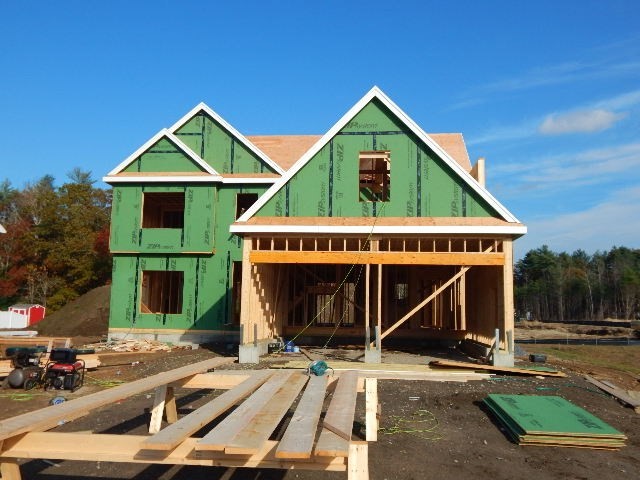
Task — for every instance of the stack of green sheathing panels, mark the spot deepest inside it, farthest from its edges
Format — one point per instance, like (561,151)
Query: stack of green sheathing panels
(551,420)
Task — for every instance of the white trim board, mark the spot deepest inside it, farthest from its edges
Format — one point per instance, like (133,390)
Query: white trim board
(375,92)
(203,107)
(164,133)
(162,179)
(382,229)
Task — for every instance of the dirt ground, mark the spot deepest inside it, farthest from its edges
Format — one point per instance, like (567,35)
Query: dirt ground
(430,430)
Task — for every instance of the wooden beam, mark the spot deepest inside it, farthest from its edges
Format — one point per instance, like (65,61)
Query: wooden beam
(297,441)
(173,435)
(224,433)
(371,409)
(462,271)
(10,470)
(331,445)
(223,380)
(50,416)
(125,448)
(385,258)
(358,462)
(339,416)
(250,439)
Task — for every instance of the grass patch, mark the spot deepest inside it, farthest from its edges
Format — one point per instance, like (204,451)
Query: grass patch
(624,359)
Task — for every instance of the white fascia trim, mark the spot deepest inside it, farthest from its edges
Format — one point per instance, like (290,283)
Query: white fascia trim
(205,108)
(249,180)
(375,92)
(173,139)
(382,229)
(163,179)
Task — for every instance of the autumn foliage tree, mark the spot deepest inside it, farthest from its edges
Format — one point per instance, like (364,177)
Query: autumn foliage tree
(54,248)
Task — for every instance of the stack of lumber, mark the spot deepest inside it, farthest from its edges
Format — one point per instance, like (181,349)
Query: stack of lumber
(48,342)
(394,371)
(552,421)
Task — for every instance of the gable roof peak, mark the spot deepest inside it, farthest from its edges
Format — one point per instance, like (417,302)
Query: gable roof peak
(376,92)
(203,107)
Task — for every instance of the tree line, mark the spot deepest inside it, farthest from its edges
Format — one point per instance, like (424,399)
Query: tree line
(57,243)
(560,287)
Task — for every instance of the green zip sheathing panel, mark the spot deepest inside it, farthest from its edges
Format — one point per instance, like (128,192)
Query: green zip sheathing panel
(163,156)
(219,148)
(552,420)
(196,235)
(422,185)
(207,293)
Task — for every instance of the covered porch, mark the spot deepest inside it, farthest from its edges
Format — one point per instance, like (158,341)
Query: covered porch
(375,289)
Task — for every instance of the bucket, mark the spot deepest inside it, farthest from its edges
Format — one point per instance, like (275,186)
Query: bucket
(296,349)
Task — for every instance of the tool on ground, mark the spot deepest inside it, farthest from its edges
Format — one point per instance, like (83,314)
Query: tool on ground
(27,370)
(64,371)
(318,368)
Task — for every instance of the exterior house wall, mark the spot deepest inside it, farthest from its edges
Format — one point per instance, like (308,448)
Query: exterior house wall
(203,249)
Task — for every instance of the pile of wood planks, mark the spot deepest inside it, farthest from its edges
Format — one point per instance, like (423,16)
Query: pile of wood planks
(552,421)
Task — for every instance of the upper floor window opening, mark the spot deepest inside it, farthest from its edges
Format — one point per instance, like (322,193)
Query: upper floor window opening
(375,176)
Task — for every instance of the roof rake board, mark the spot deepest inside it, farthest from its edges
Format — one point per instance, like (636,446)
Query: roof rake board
(552,421)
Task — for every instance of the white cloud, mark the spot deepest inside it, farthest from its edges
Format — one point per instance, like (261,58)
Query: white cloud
(614,222)
(584,121)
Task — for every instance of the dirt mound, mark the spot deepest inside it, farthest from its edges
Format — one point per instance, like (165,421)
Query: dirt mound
(87,315)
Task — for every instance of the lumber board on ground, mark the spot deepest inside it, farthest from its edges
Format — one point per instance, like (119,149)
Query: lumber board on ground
(297,441)
(49,417)
(174,434)
(250,439)
(225,431)
(126,448)
(341,411)
(616,392)
(474,366)
(396,371)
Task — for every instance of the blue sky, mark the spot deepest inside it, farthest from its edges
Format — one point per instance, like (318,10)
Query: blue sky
(547,91)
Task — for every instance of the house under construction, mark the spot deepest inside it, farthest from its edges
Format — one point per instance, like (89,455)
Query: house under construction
(375,231)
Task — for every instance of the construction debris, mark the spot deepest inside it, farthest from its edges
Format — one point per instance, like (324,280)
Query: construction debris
(133,345)
(552,421)
(627,397)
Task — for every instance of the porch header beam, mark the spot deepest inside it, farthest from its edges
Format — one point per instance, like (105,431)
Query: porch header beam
(385,258)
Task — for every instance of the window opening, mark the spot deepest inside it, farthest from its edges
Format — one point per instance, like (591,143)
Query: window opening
(161,291)
(375,176)
(163,210)
(244,201)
